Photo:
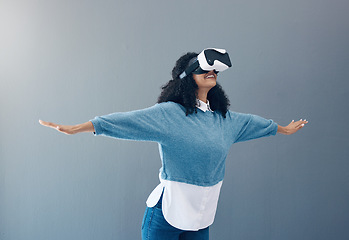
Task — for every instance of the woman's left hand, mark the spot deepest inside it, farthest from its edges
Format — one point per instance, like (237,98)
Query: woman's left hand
(292,127)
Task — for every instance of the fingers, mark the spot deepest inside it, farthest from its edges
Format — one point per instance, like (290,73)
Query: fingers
(48,124)
(51,125)
(61,128)
(301,123)
(298,124)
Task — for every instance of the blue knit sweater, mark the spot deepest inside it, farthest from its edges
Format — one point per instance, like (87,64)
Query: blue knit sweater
(193,148)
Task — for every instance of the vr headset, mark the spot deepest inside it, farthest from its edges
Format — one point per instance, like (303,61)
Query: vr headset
(209,59)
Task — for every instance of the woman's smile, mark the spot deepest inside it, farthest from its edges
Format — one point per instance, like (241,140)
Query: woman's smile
(210,76)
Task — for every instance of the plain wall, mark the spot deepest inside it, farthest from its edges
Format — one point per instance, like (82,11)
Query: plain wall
(69,61)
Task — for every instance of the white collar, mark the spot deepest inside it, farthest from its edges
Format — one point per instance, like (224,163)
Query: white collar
(203,106)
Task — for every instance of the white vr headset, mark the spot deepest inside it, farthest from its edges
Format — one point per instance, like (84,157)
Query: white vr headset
(209,59)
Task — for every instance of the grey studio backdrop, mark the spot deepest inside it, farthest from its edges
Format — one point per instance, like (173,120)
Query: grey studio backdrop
(69,61)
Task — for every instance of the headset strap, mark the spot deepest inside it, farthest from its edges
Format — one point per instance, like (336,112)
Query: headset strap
(190,69)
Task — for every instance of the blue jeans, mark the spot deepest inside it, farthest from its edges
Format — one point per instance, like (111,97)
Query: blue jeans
(155,227)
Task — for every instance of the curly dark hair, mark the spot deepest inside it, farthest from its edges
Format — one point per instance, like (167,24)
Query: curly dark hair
(184,91)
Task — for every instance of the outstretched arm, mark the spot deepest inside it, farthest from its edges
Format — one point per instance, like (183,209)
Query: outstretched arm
(292,127)
(70,129)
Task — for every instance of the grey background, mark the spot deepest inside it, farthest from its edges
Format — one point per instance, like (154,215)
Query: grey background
(69,61)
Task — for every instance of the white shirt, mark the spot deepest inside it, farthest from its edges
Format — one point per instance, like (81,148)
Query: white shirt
(186,206)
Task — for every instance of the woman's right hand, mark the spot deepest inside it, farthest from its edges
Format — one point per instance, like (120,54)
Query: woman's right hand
(67,129)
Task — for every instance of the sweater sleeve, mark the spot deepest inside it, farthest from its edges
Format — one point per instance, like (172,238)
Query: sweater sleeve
(253,127)
(141,125)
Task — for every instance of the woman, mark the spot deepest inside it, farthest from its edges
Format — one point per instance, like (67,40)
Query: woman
(194,129)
